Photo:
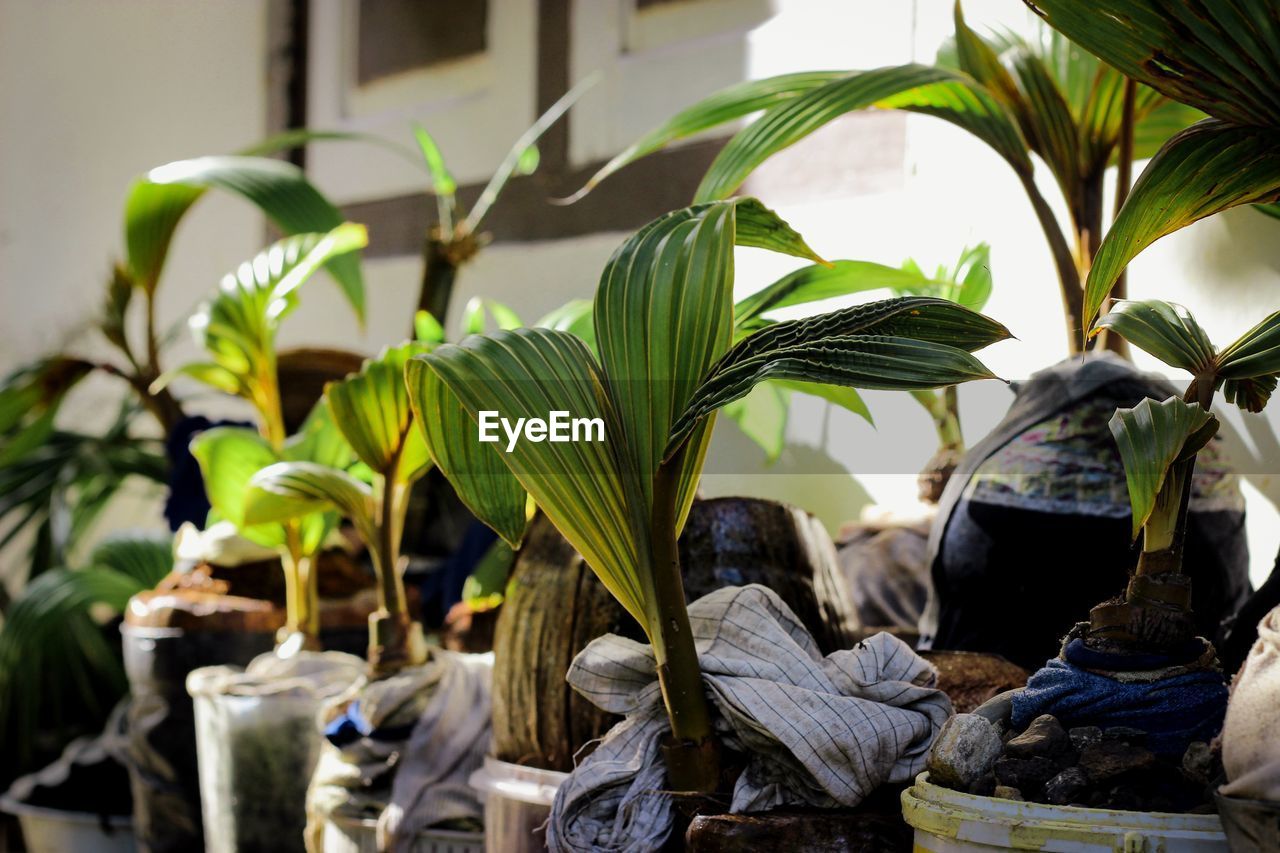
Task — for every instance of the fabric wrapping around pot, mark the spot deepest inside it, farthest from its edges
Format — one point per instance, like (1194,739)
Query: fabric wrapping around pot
(816,731)
(1174,701)
(401,750)
(1250,750)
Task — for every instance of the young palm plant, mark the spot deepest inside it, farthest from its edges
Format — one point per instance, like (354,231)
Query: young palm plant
(31,398)
(1158,444)
(371,409)
(238,330)
(1041,96)
(664,327)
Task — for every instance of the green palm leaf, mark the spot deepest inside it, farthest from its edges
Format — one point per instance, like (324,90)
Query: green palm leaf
(238,327)
(862,361)
(288,490)
(1152,437)
(718,109)
(1222,57)
(157,203)
(949,95)
(1255,354)
(589,490)
(481,479)
(1207,168)
(371,408)
(1165,330)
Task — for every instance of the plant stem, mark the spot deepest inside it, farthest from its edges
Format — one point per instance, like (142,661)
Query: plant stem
(389,626)
(1124,179)
(439,270)
(691,758)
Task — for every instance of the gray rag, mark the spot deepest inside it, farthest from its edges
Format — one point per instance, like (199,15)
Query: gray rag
(815,731)
(409,785)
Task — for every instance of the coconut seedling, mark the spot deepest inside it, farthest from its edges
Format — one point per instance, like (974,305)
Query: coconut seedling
(664,327)
(371,410)
(66,474)
(1039,95)
(238,331)
(1158,444)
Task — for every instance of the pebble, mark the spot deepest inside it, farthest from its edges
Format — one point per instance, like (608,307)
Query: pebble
(1066,787)
(1107,759)
(964,751)
(1044,737)
(1082,736)
(1004,792)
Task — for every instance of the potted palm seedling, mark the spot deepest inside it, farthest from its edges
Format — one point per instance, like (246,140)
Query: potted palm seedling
(663,322)
(371,409)
(254,728)
(1222,161)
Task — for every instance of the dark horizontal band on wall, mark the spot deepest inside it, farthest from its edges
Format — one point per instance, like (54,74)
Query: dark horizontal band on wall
(526,211)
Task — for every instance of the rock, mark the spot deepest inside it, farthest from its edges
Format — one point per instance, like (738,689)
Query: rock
(1199,763)
(964,752)
(1127,734)
(1083,736)
(1107,759)
(1028,775)
(1045,738)
(1066,787)
(1004,792)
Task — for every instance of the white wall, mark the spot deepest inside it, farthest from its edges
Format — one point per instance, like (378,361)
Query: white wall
(97,92)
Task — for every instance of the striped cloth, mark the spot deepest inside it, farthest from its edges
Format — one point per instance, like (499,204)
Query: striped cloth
(816,731)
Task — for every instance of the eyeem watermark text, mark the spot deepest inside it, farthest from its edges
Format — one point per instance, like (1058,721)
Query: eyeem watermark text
(556,427)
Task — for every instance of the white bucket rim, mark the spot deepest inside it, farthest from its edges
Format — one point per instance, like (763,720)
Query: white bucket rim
(939,811)
(517,782)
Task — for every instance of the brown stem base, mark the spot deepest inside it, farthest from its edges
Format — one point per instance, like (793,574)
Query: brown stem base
(1155,614)
(395,641)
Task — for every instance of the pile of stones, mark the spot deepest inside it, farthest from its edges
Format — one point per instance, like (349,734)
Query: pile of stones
(1086,766)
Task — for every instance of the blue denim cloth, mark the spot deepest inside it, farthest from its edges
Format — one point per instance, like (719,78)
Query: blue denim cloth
(1173,711)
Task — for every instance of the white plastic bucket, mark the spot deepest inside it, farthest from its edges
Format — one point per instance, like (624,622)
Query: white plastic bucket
(517,802)
(258,741)
(359,835)
(947,821)
(58,831)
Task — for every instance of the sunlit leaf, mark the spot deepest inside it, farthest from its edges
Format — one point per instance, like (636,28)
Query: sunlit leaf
(158,201)
(371,409)
(1206,169)
(955,97)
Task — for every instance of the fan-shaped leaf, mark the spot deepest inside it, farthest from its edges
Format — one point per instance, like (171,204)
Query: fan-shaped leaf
(1255,354)
(371,408)
(1151,437)
(588,489)
(289,490)
(1165,330)
(238,327)
(840,278)
(477,471)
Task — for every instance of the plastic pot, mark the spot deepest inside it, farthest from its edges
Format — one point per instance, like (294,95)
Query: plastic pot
(517,802)
(947,821)
(58,831)
(258,742)
(162,747)
(359,835)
